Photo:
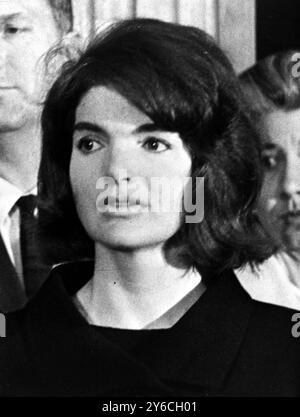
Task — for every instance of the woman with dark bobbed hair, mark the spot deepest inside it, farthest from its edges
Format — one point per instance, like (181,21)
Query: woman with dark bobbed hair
(158,309)
(272,90)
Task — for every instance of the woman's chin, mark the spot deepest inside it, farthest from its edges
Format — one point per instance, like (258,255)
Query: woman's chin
(291,240)
(126,242)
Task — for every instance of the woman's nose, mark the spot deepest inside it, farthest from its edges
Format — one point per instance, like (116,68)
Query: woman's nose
(119,164)
(291,180)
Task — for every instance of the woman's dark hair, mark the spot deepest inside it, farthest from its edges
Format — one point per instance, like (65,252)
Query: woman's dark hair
(273,83)
(180,79)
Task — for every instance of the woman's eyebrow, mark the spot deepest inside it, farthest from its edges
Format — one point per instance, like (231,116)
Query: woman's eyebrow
(92,127)
(148,128)
(270,146)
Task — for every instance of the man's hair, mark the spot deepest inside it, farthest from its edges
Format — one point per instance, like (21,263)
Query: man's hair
(63,14)
(181,80)
(271,85)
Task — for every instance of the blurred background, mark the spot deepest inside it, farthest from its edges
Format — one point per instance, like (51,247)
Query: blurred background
(246,29)
(231,22)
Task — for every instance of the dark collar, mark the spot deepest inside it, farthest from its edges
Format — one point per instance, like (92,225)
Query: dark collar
(199,350)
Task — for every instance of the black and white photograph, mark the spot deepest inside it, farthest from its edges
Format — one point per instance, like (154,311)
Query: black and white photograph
(149,201)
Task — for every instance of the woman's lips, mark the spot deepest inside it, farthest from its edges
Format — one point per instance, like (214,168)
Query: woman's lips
(122,211)
(119,203)
(6,87)
(292,218)
(118,206)
(292,214)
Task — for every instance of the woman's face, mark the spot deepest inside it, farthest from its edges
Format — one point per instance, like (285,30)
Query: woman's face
(118,154)
(281,191)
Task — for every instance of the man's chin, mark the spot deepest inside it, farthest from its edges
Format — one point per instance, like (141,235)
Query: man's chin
(13,120)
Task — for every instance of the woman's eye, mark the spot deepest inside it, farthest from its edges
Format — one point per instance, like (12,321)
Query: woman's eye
(87,145)
(156,145)
(270,161)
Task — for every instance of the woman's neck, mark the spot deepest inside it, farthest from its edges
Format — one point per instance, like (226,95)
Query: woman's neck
(134,288)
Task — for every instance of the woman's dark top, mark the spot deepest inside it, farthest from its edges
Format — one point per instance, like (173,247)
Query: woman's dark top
(225,345)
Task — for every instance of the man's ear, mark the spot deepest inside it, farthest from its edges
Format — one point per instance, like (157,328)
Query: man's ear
(69,48)
(71,45)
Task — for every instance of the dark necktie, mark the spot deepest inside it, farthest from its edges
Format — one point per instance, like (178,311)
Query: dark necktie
(33,269)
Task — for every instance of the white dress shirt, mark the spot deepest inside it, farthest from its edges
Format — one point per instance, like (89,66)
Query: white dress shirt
(275,281)
(10,221)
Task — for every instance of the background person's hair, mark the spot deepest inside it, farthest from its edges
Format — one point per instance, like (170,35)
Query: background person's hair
(271,85)
(63,14)
(180,79)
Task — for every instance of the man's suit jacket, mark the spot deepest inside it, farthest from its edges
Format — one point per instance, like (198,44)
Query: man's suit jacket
(225,345)
(52,250)
(13,294)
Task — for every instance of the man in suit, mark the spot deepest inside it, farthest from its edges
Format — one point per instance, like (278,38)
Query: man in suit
(28,29)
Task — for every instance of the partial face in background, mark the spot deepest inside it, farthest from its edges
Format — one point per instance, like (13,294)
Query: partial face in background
(113,139)
(27,32)
(281,191)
